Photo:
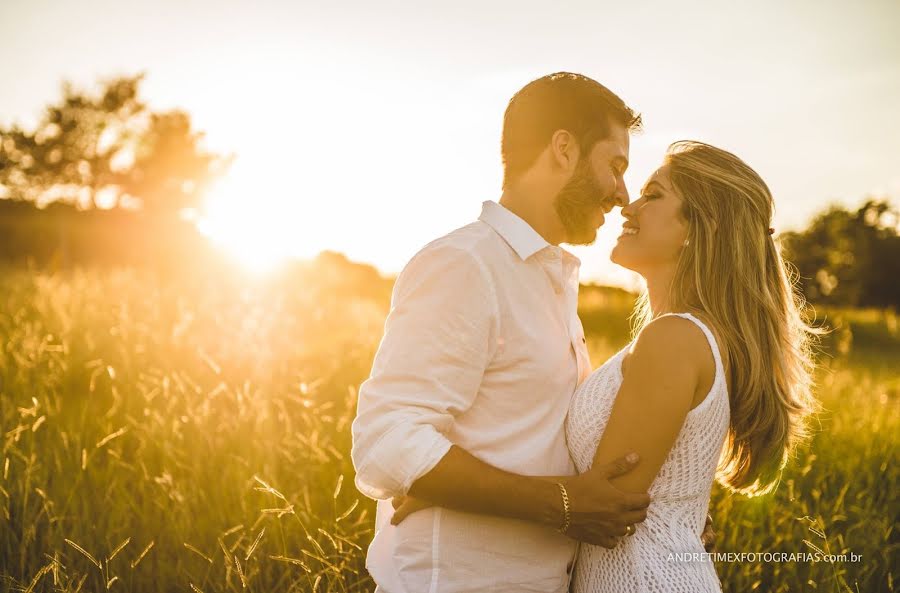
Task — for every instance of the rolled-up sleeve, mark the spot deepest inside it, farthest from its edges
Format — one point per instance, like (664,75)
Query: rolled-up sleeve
(439,338)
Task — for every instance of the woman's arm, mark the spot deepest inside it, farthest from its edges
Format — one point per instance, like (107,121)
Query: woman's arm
(667,367)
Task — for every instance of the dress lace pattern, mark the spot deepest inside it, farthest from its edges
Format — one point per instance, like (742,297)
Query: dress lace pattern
(665,553)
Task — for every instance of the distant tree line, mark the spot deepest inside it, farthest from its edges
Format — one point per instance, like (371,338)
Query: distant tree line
(849,257)
(103,179)
(63,236)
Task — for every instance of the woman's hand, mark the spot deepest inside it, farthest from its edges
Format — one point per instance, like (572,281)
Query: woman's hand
(405,506)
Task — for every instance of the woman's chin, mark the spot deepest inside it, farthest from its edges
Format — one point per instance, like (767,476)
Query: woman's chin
(619,256)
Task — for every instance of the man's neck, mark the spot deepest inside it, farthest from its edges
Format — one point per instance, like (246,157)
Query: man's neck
(537,212)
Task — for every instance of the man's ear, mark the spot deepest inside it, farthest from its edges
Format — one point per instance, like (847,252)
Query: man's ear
(564,151)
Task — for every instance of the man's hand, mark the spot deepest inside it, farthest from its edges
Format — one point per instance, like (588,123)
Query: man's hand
(601,513)
(708,537)
(405,506)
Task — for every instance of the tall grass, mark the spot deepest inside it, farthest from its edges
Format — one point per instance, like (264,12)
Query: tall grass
(195,437)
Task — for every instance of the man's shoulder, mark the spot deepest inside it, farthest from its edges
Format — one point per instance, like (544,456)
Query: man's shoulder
(468,255)
(461,260)
(477,240)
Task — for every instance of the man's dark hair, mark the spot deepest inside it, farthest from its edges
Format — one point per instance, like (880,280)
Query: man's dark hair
(560,101)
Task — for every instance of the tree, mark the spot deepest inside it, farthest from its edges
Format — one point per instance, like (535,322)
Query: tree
(70,153)
(849,258)
(110,144)
(170,171)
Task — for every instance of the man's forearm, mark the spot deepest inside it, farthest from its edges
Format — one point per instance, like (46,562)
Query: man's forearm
(463,482)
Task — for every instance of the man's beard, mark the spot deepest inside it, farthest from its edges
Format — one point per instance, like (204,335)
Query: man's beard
(577,203)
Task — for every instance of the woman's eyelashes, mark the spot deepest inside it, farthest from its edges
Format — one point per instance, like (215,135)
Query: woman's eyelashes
(649,196)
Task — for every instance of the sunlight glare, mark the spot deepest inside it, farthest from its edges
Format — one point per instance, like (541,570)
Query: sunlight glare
(250,229)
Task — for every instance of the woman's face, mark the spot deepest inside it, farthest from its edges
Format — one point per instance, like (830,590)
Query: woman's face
(654,231)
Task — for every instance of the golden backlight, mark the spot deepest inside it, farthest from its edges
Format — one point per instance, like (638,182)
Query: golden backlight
(257,237)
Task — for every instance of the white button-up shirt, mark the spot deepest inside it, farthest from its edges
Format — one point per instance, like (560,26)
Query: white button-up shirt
(483,348)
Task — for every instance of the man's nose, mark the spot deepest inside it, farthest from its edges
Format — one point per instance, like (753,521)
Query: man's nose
(622,196)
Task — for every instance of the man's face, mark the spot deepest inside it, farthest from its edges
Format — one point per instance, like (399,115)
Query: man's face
(596,186)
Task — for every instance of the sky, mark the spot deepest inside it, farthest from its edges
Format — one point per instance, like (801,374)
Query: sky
(371,128)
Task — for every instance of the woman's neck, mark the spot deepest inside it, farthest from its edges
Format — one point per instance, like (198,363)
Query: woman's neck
(659,290)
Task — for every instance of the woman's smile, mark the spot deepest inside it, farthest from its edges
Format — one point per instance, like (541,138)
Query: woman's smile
(628,230)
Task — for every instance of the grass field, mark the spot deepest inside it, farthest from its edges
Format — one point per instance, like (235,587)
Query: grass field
(195,437)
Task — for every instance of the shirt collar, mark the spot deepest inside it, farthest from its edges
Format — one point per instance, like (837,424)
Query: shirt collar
(516,232)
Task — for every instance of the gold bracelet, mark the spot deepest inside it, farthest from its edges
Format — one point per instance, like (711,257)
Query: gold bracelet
(567,514)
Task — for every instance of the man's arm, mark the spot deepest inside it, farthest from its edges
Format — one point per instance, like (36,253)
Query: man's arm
(440,336)
(463,482)
(598,511)
(439,339)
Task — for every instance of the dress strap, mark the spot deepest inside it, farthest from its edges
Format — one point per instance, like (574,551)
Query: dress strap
(717,357)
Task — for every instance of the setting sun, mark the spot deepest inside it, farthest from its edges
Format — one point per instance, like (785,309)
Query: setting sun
(247,215)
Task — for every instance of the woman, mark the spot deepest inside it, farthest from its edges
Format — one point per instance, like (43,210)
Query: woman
(716,384)
(721,359)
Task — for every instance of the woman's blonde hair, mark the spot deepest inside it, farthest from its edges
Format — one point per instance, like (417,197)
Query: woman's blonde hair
(731,272)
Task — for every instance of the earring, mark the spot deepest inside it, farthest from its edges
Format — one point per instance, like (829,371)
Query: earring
(686,242)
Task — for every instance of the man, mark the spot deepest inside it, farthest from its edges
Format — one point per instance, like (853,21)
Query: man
(482,352)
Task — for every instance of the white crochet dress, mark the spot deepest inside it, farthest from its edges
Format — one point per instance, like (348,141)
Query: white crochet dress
(657,557)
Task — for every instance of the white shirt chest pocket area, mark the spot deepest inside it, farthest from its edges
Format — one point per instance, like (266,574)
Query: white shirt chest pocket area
(533,361)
